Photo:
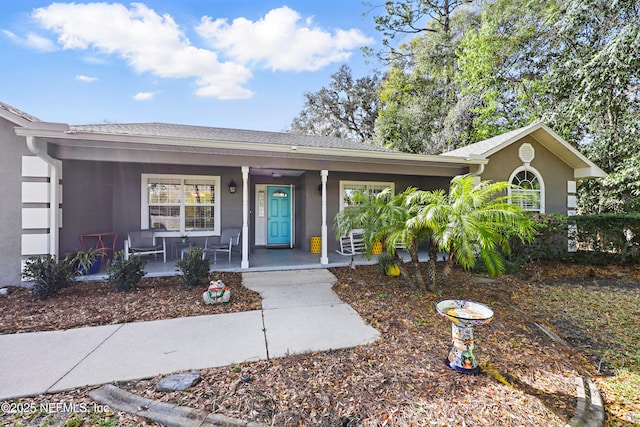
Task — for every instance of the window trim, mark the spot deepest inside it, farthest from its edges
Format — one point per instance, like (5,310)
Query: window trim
(343,184)
(144,204)
(538,176)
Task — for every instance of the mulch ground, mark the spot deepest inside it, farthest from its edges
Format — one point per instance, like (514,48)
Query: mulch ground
(97,303)
(401,380)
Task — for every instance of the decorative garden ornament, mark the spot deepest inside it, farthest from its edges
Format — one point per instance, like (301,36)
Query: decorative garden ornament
(217,293)
(464,315)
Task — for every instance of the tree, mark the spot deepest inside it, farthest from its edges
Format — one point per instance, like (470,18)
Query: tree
(471,220)
(347,108)
(574,65)
(502,64)
(595,89)
(420,90)
(414,17)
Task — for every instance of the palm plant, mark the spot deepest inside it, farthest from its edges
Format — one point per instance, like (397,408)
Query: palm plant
(382,217)
(473,220)
(366,212)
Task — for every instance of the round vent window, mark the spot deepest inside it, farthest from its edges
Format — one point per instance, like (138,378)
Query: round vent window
(526,152)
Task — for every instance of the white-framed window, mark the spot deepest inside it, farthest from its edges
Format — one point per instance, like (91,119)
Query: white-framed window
(181,203)
(532,188)
(348,188)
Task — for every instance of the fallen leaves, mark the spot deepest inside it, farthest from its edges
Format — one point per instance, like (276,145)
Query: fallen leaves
(401,380)
(97,303)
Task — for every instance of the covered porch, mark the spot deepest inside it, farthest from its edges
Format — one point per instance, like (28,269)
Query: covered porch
(262,259)
(195,182)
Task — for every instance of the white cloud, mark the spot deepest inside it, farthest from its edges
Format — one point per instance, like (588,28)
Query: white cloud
(32,40)
(86,79)
(280,41)
(143,96)
(147,41)
(154,43)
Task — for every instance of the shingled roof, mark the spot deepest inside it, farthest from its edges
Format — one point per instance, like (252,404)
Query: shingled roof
(18,113)
(487,146)
(188,132)
(582,166)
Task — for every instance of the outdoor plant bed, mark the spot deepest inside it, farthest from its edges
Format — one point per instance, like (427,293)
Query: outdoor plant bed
(98,303)
(526,379)
(401,379)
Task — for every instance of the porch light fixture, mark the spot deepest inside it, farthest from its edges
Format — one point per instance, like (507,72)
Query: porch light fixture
(232,187)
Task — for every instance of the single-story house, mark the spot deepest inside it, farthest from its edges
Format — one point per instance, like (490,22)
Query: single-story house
(62,181)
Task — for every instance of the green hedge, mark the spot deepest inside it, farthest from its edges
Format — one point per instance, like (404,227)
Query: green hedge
(600,239)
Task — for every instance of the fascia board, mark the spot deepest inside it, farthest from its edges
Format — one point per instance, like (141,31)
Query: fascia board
(248,146)
(16,120)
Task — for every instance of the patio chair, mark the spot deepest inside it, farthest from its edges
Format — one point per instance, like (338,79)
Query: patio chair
(229,238)
(144,242)
(352,243)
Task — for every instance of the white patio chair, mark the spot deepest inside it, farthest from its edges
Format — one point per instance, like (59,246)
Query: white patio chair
(144,242)
(229,238)
(352,243)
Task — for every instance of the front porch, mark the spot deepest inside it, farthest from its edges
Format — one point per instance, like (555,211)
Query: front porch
(262,259)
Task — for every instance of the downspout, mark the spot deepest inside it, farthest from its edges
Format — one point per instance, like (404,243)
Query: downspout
(476,174)
(54,202)
(478,171)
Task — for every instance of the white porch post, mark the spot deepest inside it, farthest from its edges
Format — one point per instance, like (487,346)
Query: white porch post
(245,217)
(324,259)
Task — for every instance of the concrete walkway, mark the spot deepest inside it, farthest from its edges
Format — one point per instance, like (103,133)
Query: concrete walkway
(300,313)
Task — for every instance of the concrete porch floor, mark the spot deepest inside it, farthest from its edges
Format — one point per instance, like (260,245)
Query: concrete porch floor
(260,259)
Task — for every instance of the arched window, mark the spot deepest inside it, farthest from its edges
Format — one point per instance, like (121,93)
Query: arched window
(530,195)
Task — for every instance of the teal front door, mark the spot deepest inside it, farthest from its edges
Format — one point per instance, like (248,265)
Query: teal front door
(279,216)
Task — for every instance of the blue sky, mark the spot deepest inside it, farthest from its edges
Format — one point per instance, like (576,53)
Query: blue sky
(225,63)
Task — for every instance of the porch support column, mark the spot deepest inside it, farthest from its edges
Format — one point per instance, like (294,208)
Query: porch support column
(324,259)
(245,217)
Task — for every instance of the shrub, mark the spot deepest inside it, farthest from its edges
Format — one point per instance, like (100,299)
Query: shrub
(550,242)
(610,234)
(126,274)
(48,275)
(384,262)
(599,239)
(194,268)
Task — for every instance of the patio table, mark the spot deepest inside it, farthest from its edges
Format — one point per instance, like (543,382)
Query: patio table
(100,245)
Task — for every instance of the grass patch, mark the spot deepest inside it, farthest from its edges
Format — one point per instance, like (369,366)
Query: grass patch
(600,316)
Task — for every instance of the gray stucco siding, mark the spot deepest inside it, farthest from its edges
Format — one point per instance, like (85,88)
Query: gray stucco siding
(555,173)
(12,148)
(106,196)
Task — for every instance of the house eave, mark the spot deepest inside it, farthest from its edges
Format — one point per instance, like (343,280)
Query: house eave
(64,137)
(583,167)
(589,172)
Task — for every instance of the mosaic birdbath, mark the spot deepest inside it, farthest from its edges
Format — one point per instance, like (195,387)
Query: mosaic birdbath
(464,315)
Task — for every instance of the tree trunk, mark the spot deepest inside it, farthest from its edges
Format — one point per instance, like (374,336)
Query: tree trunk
(431,265)
(446,271)
(413,251)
